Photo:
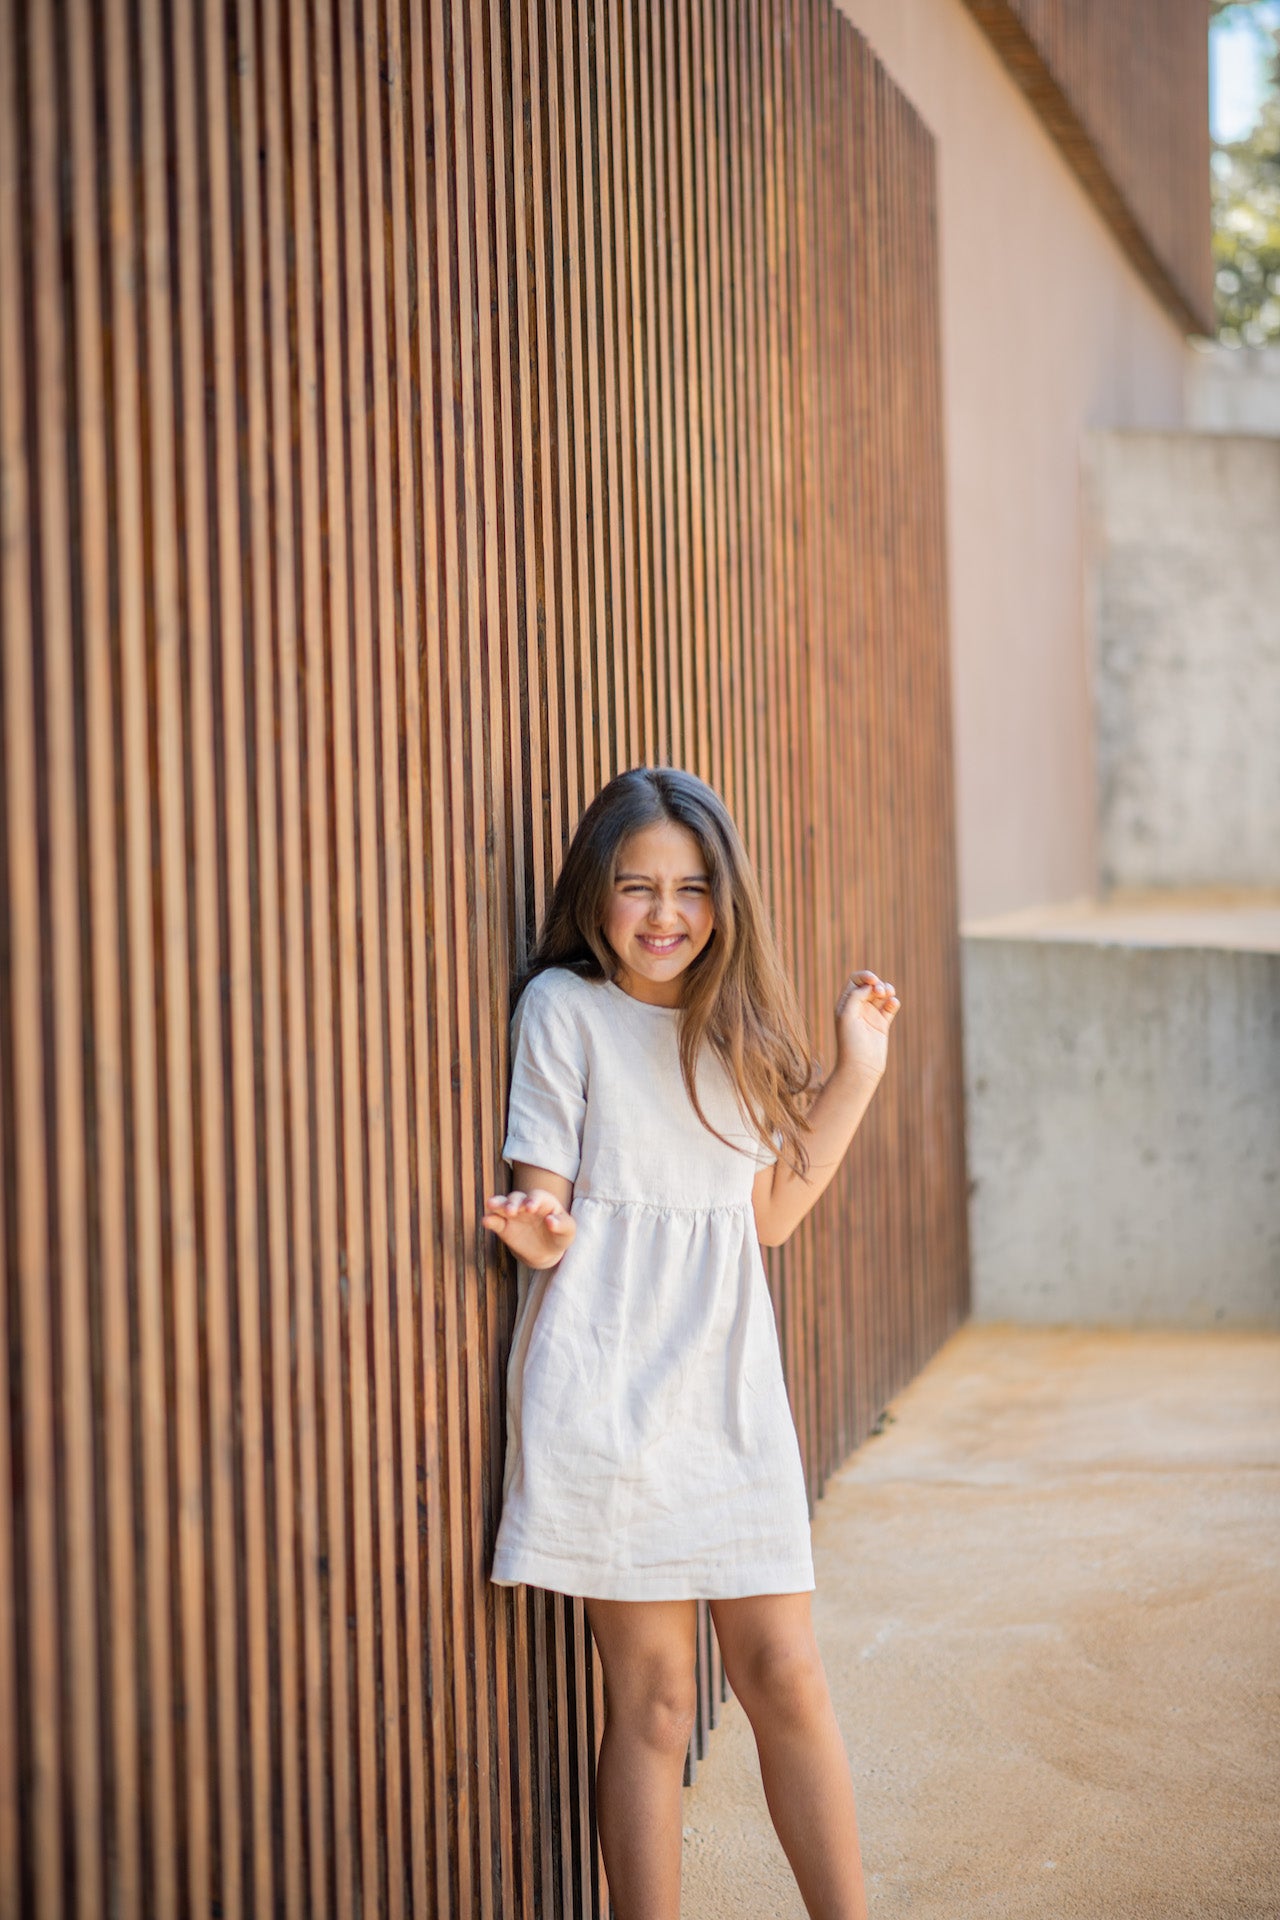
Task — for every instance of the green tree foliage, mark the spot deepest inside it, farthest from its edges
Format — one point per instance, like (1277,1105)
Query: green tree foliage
(1246,220)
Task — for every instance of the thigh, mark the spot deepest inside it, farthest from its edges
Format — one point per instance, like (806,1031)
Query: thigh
(644,1645)
(765,1637)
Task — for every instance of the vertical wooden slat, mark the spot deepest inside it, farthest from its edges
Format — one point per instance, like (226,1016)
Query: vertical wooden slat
(318,353)
(346,425)
(293,1331)
(523,366)
(583,522)
(399,849)
(290,488)
(636,417)
(620,606)
(744,549)
(468,932)
(226,351)
(588,186)
(200,581)
(691,376)
(582,745)
(66,1087)
(552,258)
(489,767)
(383,988)
(670,742)
(729,690)
(11,1838)
(40,1707)
(493,29)
(424,756)
(541,569)
(688,712)
(258,135)
(101,538)
(418,498)
(445,785)
(130,257)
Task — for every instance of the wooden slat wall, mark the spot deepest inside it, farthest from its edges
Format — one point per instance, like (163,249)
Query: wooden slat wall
(409,416)
(1123,87)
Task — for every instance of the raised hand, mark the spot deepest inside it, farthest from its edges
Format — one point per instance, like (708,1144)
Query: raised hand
(864,1014)
(534,1225)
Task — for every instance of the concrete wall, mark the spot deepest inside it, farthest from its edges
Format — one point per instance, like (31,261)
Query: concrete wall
(1047,331)
(1123,1131)
(1186,533)
(1233,389)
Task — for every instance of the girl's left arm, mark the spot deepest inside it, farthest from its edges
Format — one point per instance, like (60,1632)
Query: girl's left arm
(781,1197)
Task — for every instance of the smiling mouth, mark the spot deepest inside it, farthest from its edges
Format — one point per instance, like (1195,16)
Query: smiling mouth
(659,947)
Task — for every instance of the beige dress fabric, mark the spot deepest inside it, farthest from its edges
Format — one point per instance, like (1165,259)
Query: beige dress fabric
(651,1453)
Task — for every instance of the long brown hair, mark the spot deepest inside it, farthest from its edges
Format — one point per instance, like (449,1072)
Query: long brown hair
(737,997)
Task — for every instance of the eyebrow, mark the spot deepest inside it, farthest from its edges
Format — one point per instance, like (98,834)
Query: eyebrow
(649,876)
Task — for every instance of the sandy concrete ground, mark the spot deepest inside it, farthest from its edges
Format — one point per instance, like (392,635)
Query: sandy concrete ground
(1049,1609)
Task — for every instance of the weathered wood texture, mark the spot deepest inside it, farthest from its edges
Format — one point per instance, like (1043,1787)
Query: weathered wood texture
(409,415)
(1123,87)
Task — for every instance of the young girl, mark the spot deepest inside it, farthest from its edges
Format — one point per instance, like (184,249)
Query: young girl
(660,1130)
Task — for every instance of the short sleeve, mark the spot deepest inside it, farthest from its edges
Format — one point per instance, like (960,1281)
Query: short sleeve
(548,1095)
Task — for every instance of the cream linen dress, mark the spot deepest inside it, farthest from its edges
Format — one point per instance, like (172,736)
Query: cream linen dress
(651,1453)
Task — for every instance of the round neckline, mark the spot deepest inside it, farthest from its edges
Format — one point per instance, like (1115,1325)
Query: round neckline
(649,1006)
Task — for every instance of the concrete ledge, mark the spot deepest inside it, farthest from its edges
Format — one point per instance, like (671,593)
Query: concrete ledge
(1242,920)
(1122,1069)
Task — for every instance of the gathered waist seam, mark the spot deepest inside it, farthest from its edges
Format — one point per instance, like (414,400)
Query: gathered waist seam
(662,1206)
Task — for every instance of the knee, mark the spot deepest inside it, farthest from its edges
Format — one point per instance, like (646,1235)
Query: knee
(783,1680)
(659,1711)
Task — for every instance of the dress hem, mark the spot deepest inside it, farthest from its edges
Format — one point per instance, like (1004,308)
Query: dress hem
(580,1584)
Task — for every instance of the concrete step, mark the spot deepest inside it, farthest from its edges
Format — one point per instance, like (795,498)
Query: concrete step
(1122,1071)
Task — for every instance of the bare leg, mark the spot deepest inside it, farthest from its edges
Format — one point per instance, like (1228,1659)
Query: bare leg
(647,1649)
(773,1664)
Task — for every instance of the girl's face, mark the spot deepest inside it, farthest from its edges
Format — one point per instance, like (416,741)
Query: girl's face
(660,916)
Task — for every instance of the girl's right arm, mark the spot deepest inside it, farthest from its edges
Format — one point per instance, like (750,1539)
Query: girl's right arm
(534,1218)
(864,1014)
